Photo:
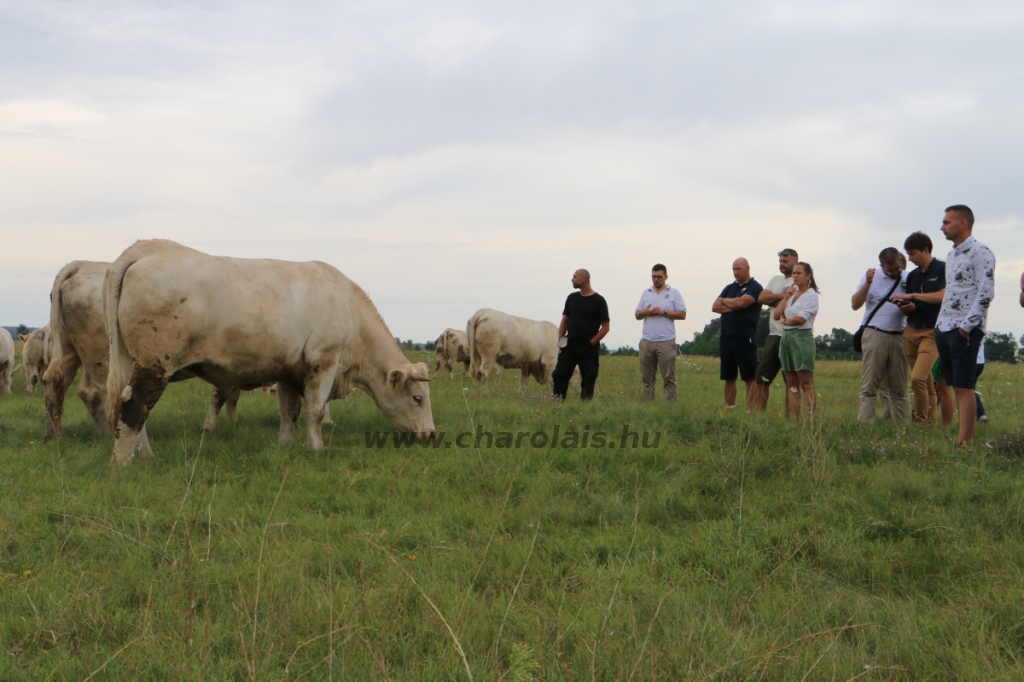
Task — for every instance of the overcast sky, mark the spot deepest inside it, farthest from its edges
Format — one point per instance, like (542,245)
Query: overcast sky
(451,156)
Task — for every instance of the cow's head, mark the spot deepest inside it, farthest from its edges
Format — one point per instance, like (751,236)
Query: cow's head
(33,355)
(405,399)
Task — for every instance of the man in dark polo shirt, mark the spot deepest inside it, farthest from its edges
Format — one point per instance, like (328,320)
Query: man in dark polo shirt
(737,347)
(926,285)
(585,320)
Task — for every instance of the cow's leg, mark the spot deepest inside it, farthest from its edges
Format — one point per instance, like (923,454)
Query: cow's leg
(524,377)
(448,368)
(143,449)
(6,377)
(288,405)
(93,393)
(465,365)
(231,406)
(54,391)
(137,399)
(319,383)
(327,414)
(220,396)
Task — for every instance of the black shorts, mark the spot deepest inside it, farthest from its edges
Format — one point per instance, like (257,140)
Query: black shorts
(770,365)
(958,357)
(737,353)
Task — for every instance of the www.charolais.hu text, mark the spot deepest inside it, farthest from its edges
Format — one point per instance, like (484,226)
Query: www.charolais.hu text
(556,438)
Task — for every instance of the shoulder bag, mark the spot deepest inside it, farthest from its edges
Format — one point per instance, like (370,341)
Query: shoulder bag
(859,334)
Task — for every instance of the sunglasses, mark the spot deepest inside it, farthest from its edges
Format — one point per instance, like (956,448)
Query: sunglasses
(788,252)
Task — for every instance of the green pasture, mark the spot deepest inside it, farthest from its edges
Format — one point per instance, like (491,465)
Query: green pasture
(740,547)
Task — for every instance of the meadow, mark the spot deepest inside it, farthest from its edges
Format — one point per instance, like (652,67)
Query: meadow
(739,547)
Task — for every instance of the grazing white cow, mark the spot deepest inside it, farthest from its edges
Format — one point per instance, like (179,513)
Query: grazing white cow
(499,340)
(171,310)
(79,339)
(452,349)
(6,361)
(33,356)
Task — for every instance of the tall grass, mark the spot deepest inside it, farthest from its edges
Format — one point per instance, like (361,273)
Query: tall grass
(741,547)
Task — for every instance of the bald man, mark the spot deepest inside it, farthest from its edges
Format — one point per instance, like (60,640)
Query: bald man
(584,323)
(737,344)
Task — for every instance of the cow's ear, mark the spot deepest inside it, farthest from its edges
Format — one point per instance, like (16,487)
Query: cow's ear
(419,372)
(23,337)
(396,378)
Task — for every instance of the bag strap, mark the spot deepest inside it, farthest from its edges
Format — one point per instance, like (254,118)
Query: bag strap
(881,303)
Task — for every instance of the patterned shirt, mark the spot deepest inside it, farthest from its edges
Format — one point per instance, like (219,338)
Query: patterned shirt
(970,287)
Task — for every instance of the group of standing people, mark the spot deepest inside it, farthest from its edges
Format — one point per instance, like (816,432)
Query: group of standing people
(928,324)
(924,329)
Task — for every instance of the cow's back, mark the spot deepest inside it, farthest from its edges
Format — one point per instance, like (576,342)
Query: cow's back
(250,317)
(80,315)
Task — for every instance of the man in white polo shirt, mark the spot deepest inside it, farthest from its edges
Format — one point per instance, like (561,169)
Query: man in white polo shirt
(659,307)
(883,364)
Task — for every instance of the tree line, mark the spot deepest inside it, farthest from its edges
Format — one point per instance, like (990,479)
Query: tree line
(838,345)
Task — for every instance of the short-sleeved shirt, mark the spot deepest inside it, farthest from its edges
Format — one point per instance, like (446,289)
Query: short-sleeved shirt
(805,306)
(586,315)
(777,285)
(742,323)
(926,282)
(889,318)
(660,328)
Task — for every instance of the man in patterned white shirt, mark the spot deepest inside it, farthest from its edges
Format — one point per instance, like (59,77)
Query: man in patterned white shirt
(960,329)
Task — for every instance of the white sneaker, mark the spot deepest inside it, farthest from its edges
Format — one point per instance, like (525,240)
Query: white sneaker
(983,419)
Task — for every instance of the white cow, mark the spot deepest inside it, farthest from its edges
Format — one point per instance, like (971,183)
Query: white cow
(6,360)
(452,349)
(497,340)
(171,310)
(33,356)
(78,339)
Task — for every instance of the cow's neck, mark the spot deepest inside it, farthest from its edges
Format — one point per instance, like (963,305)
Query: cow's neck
(380,354)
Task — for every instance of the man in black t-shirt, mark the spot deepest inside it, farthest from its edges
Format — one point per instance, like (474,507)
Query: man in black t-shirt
(585,319)
(926,285)
(737,345)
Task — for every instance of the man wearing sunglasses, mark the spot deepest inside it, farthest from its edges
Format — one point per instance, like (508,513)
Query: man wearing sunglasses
(659,307)
(770,365)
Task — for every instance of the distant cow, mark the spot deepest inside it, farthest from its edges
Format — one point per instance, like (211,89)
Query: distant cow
(499,340)
(452,349)
(6,360)
(171,310)
(33,356)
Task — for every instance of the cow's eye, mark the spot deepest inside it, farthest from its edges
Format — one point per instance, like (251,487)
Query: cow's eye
(418,399)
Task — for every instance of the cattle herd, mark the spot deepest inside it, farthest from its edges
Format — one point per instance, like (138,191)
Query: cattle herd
(162,312)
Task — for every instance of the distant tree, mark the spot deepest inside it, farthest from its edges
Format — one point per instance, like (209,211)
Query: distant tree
(835,346)
(22,329)
(704,342)
(627,351)
(430,345)
(1001,348)
(604,349)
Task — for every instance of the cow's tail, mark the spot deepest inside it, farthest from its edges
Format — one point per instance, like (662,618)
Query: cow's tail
(120,366)
(442,350)
(53,353)
(474,352)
